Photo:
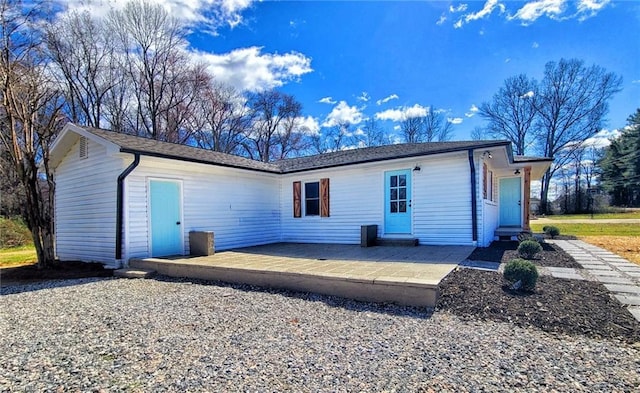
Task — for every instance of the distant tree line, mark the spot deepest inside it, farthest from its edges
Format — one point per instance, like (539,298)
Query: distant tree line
(620,165)
(553,117)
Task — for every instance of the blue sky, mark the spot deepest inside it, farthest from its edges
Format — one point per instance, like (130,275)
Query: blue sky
(349,61)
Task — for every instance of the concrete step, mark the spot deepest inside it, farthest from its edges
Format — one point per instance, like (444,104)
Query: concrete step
(134,273)
(391,242)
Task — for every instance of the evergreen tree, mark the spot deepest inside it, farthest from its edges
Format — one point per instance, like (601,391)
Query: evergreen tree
(621,165)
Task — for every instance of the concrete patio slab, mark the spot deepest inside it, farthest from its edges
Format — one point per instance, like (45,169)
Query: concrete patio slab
(403,275)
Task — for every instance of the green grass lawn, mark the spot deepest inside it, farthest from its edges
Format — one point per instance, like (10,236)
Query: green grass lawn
(601,216)
(589,229)
(17,256)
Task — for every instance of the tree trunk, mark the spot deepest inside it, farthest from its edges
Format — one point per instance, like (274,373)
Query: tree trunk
(544,192)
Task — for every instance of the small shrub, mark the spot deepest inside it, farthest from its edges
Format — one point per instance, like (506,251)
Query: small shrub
(523,271)
(529,248)
(551,231)
(522,236)
(544,228)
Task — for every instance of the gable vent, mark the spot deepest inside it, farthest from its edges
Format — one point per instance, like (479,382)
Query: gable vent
(84,147)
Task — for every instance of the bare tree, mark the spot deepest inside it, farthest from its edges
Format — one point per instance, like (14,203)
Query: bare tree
(412,129)
(221,119)
(512,112)
(86,64)
(372,134)
(152,42)
(333,138)
(478,134)
(436,127)
(275,115)
(572,107)
(30,117)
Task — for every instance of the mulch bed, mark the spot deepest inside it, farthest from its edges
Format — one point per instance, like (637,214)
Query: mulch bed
(556,306)
(504,251)
(29,274)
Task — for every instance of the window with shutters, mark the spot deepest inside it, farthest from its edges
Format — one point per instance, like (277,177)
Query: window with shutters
(312,196)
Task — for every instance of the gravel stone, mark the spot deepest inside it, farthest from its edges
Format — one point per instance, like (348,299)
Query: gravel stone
(120,335)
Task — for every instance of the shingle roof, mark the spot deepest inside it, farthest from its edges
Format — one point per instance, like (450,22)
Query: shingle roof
(150,147)
(380,153)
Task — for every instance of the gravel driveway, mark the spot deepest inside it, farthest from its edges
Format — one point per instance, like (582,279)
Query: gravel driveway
(172,335)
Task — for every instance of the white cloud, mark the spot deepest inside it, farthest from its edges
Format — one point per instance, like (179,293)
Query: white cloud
(472,111)
(309,125)
(441,20)
(487,10)
(589,8)
(247,69)
(636,81)
(343,113)
(327,100)
(397,127)
(454,120)
(535,9)
(528,94)
(535,45)
(364,97)
(387,99)
(208,13)
(459,8)
(532,10)
(400,114)
(602,138)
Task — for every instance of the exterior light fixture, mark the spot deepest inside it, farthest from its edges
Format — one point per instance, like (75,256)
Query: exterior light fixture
(416,168)
(487,154)
(517,172)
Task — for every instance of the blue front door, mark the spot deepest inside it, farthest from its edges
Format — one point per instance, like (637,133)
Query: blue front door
(166,228)
(397,197)
(510,202)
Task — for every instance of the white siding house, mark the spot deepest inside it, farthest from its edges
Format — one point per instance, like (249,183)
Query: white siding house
(120,196)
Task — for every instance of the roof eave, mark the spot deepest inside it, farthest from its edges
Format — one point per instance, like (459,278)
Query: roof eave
(195,160)
(404,156)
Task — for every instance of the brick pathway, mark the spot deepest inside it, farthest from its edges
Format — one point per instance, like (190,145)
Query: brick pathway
(618,275)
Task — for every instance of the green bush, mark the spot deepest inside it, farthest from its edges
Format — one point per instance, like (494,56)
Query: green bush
(544,228)
(551,231)
(529,248)
(14,233)
(523,271)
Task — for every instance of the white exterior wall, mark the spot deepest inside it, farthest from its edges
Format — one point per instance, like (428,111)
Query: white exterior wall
(356,197)
(489,214)
(85,205)
(441,207)
(241,207)
(442,201)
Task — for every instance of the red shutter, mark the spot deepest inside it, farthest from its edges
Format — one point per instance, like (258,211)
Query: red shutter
(484,181)
(297,199)
(324,197)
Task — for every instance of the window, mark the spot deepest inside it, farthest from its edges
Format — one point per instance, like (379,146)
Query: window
(398,194)
(490,193)
(487,183)
(316,198)
(312,199)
